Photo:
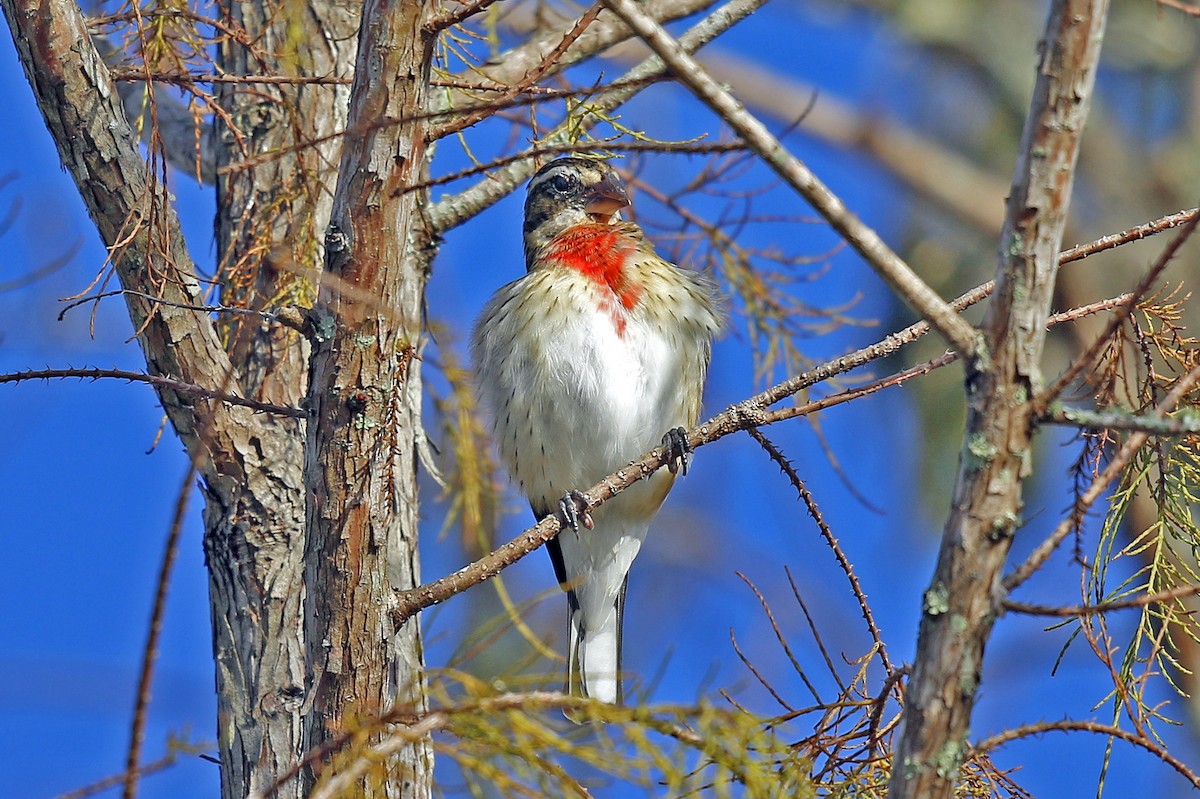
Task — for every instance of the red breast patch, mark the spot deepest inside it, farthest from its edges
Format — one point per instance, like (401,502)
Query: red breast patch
(599,252)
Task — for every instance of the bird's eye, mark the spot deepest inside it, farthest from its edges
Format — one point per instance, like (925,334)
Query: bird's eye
(564,183)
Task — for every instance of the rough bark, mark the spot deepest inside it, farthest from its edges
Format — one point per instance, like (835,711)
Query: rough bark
(961,603)
(270,218)
(365,400)
(236,451)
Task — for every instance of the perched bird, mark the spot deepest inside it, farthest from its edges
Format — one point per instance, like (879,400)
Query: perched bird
(584,363)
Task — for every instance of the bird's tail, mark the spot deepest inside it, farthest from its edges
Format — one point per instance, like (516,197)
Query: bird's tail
(594,653)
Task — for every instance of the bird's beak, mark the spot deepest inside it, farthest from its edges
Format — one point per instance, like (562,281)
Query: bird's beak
(605,199)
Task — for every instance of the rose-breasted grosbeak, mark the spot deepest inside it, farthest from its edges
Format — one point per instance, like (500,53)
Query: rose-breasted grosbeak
(584,363)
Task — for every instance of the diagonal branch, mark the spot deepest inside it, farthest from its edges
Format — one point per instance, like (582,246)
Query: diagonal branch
(753,412)
(746,415)
(449,212)
(890,266)
(131,209)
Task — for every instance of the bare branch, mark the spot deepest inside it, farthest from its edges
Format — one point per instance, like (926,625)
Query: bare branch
(831,541)
(1112,731)
(180,387)
(1094,491)
(746,415)
(914,291)
(450,18)
(141,710)
(1157,598)
(449,212)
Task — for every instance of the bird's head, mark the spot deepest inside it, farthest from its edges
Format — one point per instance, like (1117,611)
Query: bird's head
(569,192)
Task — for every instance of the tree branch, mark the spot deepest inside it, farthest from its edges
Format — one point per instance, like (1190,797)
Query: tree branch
(960,605)
(1109,730)
(903,280)
(176,387)
(1159,598)
(746,415)
(1094,491)
(449,212)
(137,731)
(1111,419)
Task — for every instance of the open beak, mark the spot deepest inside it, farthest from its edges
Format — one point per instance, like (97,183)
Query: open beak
(605,199)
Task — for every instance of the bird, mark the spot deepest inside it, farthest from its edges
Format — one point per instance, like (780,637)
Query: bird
(595,356)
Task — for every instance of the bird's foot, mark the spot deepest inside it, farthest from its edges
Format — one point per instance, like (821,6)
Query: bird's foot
(678,450)
(573,507)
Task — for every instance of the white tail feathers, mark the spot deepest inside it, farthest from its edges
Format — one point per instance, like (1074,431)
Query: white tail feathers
(594,653)
(594,658)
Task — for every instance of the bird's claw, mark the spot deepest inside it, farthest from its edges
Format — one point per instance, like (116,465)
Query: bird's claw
(573,507)
(677,450)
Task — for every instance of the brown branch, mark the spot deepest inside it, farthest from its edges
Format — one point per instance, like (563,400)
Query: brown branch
(179,387)
(1137,233)
(1094,491)
(1179,5)
(831,541)
(185,79)
(114,780)
(1158,598)
(1136,739)
(745,415)
(1088,358)
(289,315)
(961,335)
(448,19)
(449,212)
(959,607)
(137,732)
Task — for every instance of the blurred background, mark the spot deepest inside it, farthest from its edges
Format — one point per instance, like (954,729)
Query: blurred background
(911,111)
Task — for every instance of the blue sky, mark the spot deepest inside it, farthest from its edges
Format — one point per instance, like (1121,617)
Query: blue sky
(89,493)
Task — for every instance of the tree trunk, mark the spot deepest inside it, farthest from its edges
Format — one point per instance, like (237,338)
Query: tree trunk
(273,206)
(365,404)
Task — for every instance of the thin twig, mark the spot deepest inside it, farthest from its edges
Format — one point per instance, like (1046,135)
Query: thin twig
(157,381)
(1094,491)
(141,709)
(112,781)
(1043,727)
(830,539)
(1158,598)
(450,18)
(290,315)
(960,334)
